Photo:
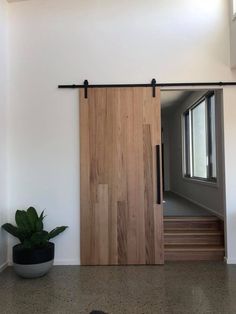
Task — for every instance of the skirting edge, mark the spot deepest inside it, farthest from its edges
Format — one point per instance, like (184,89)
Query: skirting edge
(68,262)
(3,266)
(230,261)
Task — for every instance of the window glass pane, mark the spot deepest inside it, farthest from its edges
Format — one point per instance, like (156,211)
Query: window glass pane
(213,135)
(187,144)
(234,6)
(199,140)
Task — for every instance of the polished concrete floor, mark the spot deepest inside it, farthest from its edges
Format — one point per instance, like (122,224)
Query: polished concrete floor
(196,287)
(176,205)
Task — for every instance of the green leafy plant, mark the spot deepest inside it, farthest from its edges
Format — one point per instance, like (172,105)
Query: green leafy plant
(29,229)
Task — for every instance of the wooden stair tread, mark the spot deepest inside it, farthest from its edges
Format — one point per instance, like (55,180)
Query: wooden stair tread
(191,245)
(192,232)
(170,229)
(193,238)
(191,248)
(192,219)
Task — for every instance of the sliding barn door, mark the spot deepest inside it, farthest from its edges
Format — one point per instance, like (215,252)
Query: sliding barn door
(120,177)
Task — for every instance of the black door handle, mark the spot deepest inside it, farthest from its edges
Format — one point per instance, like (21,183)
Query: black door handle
(158,173)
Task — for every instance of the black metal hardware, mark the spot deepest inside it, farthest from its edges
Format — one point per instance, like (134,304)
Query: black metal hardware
(86,83)
(210,119)
(154,83)
(207,84)
(158,173)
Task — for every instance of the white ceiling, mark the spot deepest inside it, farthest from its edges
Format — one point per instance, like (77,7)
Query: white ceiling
(169,98)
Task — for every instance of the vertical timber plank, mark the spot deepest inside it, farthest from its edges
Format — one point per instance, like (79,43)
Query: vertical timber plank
(148,195)
(101,226)
(85,225)
(152,116)
(132,235)
(138,155)
(122,232)
(121,178)
(92,248)
(112,170)
(158,209)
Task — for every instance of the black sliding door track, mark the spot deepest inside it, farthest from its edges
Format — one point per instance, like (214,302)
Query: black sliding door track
(199,84)
(152,85)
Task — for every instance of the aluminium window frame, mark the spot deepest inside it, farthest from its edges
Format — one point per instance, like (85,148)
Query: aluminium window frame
(188,159)
(233,10)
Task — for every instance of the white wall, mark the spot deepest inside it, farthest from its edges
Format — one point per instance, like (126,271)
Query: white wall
(3,147)
(207,195)
(232,35)
(58,41)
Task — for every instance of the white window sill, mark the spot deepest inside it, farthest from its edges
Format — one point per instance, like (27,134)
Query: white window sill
(202,182)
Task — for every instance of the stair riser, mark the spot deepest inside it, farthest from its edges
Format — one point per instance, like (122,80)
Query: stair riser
(206,240)
(194,256)
(191,225)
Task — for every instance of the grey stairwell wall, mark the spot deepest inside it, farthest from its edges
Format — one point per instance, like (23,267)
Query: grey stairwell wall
(165,140)
(232,35)
(209,196)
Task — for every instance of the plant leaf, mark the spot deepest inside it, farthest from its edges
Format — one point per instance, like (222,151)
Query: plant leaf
(56,231)
(39,223)
(11,229)
(22,220)
(27,244)
(29,229)
(24,234)
(16,232)
(32,218)
(39,239)
(42,216)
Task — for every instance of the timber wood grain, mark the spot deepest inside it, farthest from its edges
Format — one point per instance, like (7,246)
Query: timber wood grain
(193,238)
(121,223)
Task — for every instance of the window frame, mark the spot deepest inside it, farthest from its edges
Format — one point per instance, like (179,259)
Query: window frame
(188,159)
(234,9)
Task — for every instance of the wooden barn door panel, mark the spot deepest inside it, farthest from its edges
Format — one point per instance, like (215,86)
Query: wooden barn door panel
(121,223)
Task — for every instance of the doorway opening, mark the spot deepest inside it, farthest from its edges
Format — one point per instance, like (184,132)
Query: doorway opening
(193,177)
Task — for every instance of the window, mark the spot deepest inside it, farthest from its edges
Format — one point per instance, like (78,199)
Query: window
(234,7)
(200,140)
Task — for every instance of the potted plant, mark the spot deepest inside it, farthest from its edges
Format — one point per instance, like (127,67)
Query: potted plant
(34,256)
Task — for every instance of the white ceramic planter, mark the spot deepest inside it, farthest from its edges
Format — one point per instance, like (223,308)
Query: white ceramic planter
(33,263)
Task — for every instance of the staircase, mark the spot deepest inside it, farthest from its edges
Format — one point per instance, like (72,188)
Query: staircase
(193,238)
